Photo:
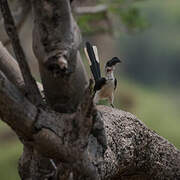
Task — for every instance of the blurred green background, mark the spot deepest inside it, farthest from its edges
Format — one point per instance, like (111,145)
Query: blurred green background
(149,77)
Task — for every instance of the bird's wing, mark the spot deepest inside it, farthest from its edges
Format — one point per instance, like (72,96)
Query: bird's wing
(99,84)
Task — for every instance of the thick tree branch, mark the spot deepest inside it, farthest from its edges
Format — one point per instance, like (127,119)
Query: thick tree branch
(15,110)
(30,84)
(56,39)
(136,152)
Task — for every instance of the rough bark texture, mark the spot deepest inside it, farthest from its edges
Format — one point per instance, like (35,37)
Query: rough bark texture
(68,138)
(134,151)
(56,40)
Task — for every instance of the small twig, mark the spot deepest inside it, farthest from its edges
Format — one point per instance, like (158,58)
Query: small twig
(91,9)
(30,84)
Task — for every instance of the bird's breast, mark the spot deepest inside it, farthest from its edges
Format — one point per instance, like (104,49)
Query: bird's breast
(107,89)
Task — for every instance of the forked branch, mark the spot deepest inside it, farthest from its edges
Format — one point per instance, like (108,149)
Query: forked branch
(63,137)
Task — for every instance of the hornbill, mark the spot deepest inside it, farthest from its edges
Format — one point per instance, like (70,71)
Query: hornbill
(104,86)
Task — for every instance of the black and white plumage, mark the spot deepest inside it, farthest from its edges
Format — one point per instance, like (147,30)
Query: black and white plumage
(104,86)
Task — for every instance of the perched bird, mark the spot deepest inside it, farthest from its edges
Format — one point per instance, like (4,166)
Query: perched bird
(104,86)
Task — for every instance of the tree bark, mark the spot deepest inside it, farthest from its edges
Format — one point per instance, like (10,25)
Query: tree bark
(136,152)
(56,40)
(68,137)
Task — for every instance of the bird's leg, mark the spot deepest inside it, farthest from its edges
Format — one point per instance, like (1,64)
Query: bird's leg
(111,100)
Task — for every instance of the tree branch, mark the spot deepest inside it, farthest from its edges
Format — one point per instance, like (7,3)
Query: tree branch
(134,151)
(15,110)
(30,84)
(10,68)
(90,9)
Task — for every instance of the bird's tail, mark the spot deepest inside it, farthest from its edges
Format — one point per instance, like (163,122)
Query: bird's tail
(92,56)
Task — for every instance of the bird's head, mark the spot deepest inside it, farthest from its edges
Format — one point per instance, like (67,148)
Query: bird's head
(110,65)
